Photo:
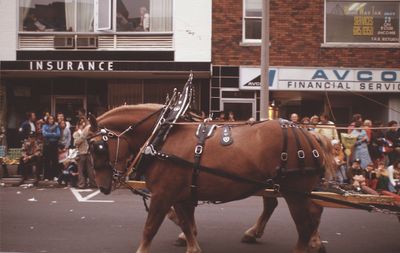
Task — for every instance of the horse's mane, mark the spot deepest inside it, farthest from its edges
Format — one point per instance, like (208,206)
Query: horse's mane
(329,158)
(125,108)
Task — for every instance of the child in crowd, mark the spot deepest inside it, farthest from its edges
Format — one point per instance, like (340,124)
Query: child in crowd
(69,173)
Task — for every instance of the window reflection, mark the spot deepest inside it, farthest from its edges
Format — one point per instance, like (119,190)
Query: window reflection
(144,15)
(84,16)
(252,19)
(45,15)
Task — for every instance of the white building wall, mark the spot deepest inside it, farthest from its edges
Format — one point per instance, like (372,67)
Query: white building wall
(8,29)
(192,30)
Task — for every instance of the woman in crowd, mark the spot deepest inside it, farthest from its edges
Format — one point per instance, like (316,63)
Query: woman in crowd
(356,118)
(51,134)
(361,145)
(367,127)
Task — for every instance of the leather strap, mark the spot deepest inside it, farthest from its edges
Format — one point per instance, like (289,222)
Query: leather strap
(300,151)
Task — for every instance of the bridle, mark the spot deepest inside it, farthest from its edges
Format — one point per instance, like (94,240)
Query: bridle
(107,134)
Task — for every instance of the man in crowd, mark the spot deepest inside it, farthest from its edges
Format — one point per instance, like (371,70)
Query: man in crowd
(31,156)
(28,126)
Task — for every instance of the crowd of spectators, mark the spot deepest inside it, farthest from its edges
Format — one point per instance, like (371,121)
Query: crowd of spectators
(373,162)
(47,150)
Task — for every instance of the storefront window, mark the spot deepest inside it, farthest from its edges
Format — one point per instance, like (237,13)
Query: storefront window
(144,15)
(252,20)
(362,22)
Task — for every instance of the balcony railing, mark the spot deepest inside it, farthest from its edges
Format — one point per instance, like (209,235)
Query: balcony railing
(95,41)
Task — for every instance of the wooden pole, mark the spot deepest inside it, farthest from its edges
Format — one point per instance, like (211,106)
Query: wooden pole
(264,94)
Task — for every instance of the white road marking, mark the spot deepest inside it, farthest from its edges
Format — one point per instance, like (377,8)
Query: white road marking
(87,198)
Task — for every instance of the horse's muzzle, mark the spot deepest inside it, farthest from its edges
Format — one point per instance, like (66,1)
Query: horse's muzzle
(105,191)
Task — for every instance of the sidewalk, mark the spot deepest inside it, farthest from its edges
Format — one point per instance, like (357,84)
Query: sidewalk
(13,179)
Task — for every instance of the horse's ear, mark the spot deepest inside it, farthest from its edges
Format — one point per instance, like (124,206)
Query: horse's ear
(93,123)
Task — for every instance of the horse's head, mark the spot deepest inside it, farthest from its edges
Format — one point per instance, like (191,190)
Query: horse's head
(114,138)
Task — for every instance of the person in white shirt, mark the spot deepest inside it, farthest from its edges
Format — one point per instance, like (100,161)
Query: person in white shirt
(327,128)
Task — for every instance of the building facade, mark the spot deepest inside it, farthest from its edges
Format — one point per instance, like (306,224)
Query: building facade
(62,55)
(340,57)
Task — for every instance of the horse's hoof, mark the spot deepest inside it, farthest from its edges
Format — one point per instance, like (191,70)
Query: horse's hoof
(249,239)
(180,242)
(322,249)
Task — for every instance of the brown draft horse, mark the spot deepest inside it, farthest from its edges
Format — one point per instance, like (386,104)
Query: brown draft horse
(254,154)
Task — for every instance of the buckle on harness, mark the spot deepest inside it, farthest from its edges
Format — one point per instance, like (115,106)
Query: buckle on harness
(315,153)
(284,156)
(301,154)
(276,188)
(198,150)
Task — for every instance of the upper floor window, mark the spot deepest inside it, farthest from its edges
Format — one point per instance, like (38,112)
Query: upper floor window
(252,19)
(362,21)
(95,15)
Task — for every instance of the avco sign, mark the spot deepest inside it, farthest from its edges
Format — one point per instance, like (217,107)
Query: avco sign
(331,79)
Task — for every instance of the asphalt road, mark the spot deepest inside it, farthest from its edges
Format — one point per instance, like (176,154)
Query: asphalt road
(53,220)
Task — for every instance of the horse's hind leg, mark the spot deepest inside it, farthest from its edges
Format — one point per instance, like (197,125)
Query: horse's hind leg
(307,216)
(257,230)
(181,241)
(185,214)
(157,211)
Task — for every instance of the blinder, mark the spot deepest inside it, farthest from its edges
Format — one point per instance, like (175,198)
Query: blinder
(101,146)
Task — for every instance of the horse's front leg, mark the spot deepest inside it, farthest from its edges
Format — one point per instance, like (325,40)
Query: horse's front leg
(257,230)
(307,216)
(185,214)
(157,211)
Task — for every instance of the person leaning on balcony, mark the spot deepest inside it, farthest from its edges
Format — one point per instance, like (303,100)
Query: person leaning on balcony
(327,127)
(32,23)
(144,19)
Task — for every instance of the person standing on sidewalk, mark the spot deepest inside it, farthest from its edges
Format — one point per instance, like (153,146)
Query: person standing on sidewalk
(51,134)
(84,161)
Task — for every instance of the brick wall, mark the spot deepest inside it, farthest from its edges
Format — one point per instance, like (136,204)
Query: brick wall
(297,31)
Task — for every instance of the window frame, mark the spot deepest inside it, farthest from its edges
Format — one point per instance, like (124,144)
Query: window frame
(96,31)
(357,44)
(96,16)
(244,17)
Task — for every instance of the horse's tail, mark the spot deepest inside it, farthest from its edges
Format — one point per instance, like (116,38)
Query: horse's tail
(328,162)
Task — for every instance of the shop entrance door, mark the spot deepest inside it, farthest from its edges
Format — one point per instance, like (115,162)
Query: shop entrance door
(69,105)
(243,109)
